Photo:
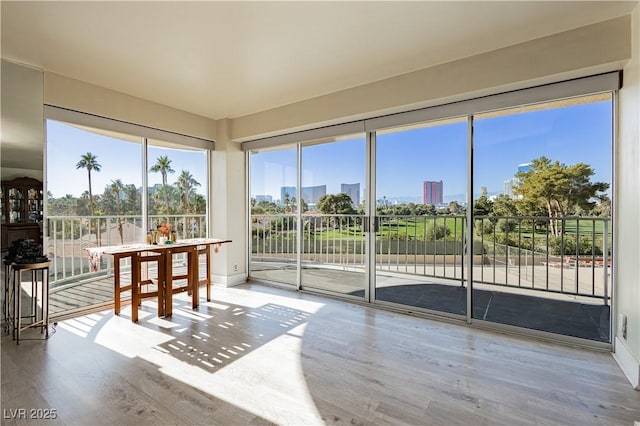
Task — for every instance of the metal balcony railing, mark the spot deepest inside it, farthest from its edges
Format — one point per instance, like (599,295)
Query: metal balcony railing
(68,236)
(516,251)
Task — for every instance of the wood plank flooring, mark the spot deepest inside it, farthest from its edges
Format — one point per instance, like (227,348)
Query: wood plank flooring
(262,355)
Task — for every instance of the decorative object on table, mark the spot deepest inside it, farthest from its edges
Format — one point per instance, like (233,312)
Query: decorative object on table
(24,251)
(163,233)
(164,229)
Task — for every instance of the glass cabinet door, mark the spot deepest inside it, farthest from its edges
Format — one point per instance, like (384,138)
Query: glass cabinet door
(16,205)
(3,213)
(34,205)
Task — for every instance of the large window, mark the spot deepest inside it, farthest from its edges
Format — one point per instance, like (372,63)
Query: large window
(421,181)
(95,187)
(542,194)
(274,203)
(493,210)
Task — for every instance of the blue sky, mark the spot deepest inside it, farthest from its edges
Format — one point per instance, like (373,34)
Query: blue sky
(119,160)
(572,134)
(405,158)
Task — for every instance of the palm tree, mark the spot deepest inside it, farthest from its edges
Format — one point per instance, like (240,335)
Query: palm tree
(186,185)
(163,165)
(90,162)
(117,187)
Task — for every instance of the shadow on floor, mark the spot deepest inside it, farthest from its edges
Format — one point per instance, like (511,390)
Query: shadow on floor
(587,321)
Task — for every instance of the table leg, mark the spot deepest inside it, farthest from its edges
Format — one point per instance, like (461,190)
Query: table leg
(168,277)
(135,282)
(45,301)
(194,277)
(207,252)
(116,284)
(162,286)
(16,305)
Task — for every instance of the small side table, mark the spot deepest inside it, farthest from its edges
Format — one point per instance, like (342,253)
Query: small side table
(17,270)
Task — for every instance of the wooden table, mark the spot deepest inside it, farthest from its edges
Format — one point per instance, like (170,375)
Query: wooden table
(163,255)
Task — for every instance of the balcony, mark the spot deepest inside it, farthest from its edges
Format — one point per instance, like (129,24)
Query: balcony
(522,274)
(74,285)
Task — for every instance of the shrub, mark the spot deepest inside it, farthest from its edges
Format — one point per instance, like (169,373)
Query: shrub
(437,232)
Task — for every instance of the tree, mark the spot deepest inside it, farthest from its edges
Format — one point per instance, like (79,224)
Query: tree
(90,162)
(116,188)
(286,202)
(559,188)
(454,207)
(163,166)
(186,185)
(163,193)
(336,204)
(132,202)
(483,206)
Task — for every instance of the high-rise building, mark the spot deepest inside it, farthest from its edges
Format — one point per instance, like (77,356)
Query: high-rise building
(312,194)
(433,193)
(353,191)
(509,184)
(508,187)
(524,167)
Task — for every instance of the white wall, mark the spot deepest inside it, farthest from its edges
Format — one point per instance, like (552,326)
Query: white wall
(77,95)
(228,217)
(627,212)
(22,144)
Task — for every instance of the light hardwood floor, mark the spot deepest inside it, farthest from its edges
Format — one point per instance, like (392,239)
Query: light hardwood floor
(263,355)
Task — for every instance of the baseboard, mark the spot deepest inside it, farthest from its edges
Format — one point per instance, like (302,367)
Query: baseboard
(229,280)
(627,362)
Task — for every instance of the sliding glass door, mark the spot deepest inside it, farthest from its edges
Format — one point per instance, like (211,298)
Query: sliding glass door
(421,181)
(542,206)
(499,217)
(273,215)
(93,199)
(332,206)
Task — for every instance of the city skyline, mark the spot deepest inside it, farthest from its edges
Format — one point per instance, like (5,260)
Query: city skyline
(570,134)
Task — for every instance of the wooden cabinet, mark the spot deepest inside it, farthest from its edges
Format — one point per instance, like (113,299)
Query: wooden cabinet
(22,208)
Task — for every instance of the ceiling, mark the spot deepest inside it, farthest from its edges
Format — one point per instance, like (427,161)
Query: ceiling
(229,59)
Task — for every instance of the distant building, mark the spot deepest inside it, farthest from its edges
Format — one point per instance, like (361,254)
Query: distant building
(524,167)
(312,194)
(508,187)
(433,193)
(353,191)
(509,184)
(267,198)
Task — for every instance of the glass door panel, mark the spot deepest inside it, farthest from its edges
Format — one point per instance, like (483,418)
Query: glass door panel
(273,207)
(177,190)
(421,181)
(542,217)
(93,199)
(333,188)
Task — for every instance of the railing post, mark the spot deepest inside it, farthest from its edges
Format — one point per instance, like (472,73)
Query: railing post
(605,261)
